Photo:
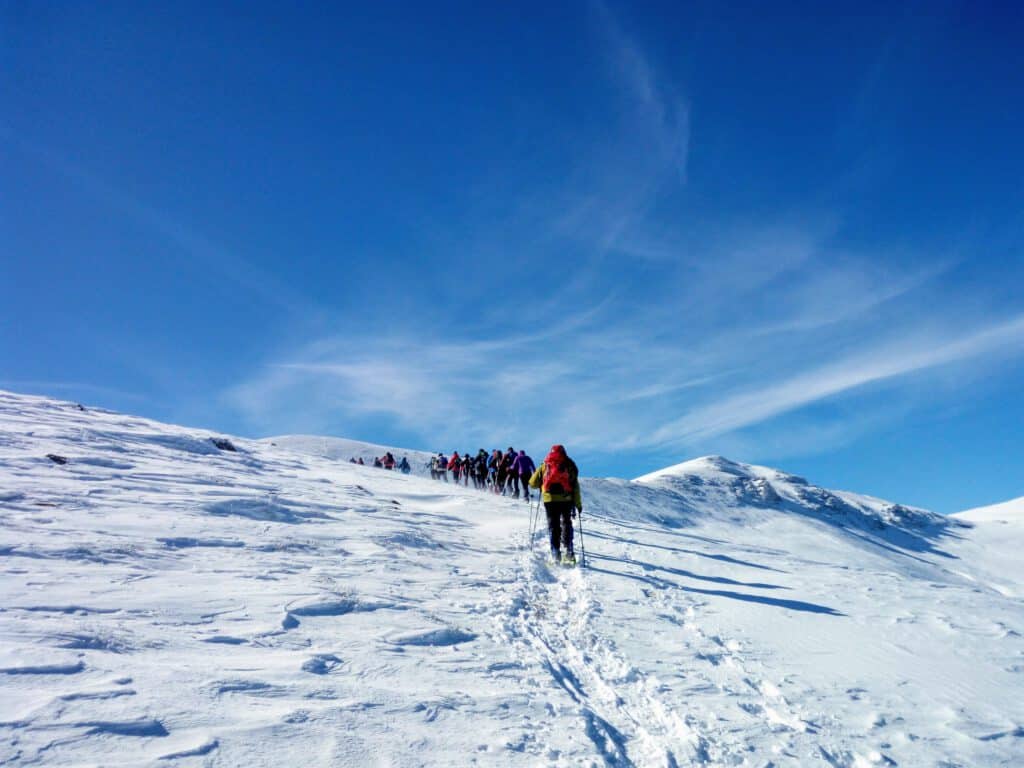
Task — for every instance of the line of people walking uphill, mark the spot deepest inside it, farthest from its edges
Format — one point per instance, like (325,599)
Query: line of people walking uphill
(503,472)
(514,473)
(387,461)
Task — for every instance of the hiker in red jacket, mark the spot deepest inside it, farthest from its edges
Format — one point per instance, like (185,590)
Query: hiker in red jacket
(455,465)
(558,479)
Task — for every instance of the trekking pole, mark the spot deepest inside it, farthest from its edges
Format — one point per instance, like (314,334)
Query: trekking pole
(583,548)
(536,519)
(533,522)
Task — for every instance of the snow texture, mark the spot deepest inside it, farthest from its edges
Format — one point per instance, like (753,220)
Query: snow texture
(169,602)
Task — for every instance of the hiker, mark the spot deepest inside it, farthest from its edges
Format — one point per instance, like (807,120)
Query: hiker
(361,463)
(522,468)
(377,463)
(505,477)
(492,469)
(480,469)
(455,465)
(511,478)
(467,468)
(558,479)
(403,466)
(352,461)
(503,462)
(442,467)
(389,461)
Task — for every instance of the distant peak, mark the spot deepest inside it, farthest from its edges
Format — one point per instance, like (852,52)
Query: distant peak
(721,462)
(702,465)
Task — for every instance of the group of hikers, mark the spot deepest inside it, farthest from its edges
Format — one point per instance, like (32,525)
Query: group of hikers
(502,472)
(513,473)
(387,461)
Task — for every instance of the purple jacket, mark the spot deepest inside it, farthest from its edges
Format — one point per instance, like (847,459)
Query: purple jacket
(523,464)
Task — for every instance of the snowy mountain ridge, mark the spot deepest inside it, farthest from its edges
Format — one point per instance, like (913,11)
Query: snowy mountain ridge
(729,484)
(174,602)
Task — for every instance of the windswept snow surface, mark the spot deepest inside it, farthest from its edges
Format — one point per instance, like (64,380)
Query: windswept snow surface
(167,602)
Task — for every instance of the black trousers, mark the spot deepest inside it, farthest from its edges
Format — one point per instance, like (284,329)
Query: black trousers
(560,524)
(524,478)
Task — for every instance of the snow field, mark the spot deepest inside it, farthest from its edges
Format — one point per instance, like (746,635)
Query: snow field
(169,603)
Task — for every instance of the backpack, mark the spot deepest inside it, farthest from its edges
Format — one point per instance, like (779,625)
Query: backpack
(558,479)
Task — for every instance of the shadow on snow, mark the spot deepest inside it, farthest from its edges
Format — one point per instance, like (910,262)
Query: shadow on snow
(658,583)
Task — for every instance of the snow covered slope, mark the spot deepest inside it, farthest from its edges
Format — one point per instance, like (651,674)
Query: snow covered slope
(168,602)
(342,449)
(997,545)
(1008,512)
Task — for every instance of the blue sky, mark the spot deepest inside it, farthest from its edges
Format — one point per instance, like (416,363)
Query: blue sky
(648,231)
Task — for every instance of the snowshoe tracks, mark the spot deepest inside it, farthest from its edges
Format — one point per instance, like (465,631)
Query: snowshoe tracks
(551,624)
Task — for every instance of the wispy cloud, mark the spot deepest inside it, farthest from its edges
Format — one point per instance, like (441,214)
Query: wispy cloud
(643,148)
(606,382)
(858,370)
(842,291)
(655,335)
(661,113)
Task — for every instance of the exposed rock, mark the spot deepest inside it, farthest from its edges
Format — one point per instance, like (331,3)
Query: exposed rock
(765,491)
